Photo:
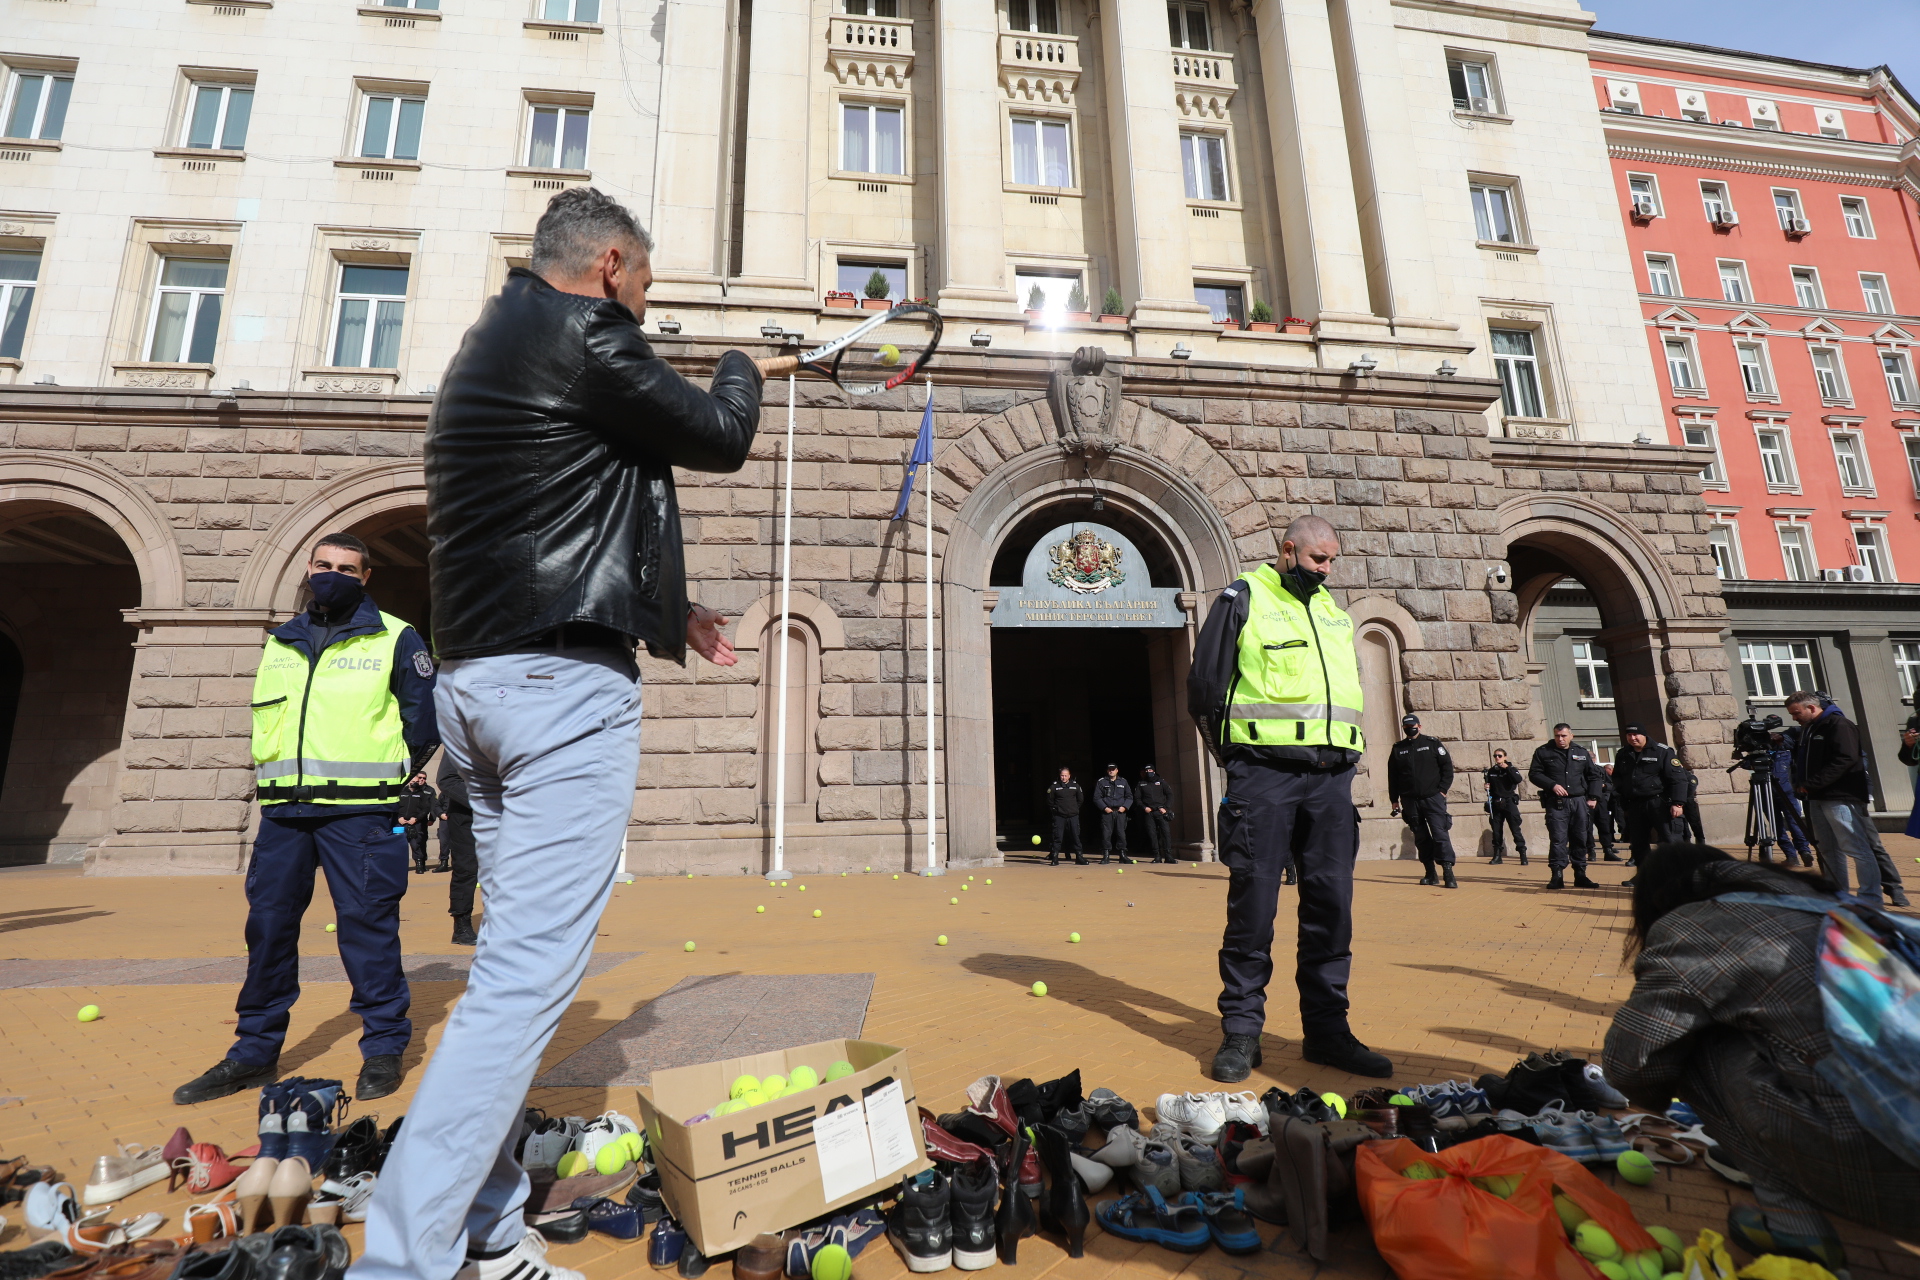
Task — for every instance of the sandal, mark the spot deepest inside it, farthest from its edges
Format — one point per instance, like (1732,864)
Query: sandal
(1662,1150)
(1147,1218)
(1228,1223)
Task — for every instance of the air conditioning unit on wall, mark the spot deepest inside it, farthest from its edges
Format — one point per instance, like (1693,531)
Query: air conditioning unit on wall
(1726,218)
(1847,573)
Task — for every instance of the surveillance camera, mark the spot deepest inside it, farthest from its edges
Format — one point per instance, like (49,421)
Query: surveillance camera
(1497,575)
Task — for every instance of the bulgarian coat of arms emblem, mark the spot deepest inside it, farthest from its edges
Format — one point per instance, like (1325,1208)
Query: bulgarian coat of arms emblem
(1085,563)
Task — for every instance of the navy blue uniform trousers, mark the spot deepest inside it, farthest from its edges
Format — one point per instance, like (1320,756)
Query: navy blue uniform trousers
(1271,817)
(366,864)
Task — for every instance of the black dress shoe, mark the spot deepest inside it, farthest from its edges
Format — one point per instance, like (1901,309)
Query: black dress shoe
(444,866)
(1343,1052)
(305,1253)
(356,1150)
(380,1075)
(226,1078)
(1236,1058)
(1610,856)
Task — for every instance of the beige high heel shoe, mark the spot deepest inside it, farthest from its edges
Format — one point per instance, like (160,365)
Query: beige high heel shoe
(250,1189)
(292,1188)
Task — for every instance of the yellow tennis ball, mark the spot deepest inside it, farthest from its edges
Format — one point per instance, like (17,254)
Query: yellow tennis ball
(889,354)
(571,1164)
(1595,1243)
(940,941)
(803,888)
(833,1261)
(989,879)
(333,928)
(89,1013)
(1036,844)
(689,945)
(1636,1168)
(953,902)
(802,1077)
(1338,1103)
(963,888)
(752,1098)
(611,1159)
(1039,988)
(635,1145)
(896,875)
(866,868)
(1073,937)
(759,911)
(742,1085)
(839,1069)
(773,1087)
(843,875)
(727,1108)
(816,913)
(969,877)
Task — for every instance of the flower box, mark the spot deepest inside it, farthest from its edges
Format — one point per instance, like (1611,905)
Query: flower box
(1121,320)
(876,304)
(1263,326)
(1297,326)
(844,301)
(1228,323)
(1078,317)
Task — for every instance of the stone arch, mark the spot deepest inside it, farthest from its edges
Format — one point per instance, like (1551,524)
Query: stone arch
(1383,632)
(103,493)
(810,610)
(272,577)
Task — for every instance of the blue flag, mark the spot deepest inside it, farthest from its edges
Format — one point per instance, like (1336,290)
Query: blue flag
(922,452)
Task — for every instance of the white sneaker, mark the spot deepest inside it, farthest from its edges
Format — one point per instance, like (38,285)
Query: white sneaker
(608,1128)
(1246,1108)
(116,1177)
(1199,1115)
(525,1261)
(555,1139)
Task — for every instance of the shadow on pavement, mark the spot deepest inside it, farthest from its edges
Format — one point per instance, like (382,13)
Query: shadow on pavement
(14,921)
(1523,990)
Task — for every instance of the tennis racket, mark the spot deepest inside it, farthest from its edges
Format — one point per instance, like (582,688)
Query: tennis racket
(903,340)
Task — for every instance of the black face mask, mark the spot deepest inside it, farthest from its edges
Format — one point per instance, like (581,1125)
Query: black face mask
(336,591)
(1305,581)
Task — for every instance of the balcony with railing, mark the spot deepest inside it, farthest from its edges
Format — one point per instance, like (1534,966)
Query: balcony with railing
(870,51)
(1203,83)
(1036,67)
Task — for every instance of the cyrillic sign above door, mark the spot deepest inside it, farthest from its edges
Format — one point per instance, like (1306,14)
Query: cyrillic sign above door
(1086,575)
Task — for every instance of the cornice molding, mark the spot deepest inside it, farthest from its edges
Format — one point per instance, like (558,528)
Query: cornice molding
(1644,154)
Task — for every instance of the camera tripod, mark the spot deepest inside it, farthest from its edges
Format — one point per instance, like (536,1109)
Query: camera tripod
(1763,815)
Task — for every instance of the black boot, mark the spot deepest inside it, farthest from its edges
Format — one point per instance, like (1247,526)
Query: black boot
(1053,859)
(1610,856)
(1556,882)
(1014,1220)
(1430,877)
(463,934)
(1499,856)
(1238,1055)
(443,866)
(1523,855)
(1449,881)
(1063,1210)
(920,1226)
(971,1214)
(1080,860)
(1289,876)
(419,866)
(1581,880)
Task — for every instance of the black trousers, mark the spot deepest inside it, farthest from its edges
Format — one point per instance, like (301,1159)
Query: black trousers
(1690,818)
(1067,824)
(1503,814)
(1271,817)
(417,842)
(1113,834)
(456,845)
(1603,816)
(1159,827)
(1430,822)
(1569,833)
(1649,821)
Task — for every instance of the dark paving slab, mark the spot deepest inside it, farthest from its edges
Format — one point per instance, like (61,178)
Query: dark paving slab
(229,970)
(707,1018)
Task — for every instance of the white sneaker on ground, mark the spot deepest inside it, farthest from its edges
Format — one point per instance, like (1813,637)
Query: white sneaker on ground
(525,1261)
(607,1128)
(1246,1108)
(554,1139)
(116,1177)
(1199,1115)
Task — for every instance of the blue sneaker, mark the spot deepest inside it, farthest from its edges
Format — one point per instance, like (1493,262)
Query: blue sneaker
(1682,1114)
(1608,1137)
(1147,1218)
(1571,1139)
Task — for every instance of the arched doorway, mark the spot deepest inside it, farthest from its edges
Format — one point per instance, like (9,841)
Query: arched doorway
(397,542)
(65,665)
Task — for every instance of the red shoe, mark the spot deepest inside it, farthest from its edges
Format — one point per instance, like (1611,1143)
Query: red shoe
(205,1168)
(987,1098)
(173,1152)
(942,1145)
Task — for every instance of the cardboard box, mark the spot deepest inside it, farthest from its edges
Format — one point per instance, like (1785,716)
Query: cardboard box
(777,1165)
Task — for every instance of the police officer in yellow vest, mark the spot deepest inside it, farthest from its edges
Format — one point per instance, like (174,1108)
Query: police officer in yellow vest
(1275,689)
(342,717)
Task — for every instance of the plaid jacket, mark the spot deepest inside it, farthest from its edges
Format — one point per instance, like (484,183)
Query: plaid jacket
(1726,1013)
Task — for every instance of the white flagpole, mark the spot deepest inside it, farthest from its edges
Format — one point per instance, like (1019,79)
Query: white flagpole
(932,823)
(779,871)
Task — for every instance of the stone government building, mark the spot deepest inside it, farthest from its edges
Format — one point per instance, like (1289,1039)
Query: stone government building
(257,231)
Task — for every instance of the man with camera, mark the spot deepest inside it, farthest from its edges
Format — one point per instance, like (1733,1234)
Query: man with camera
(1567,778)
(1503,806)
(1650,790)
(1833,782)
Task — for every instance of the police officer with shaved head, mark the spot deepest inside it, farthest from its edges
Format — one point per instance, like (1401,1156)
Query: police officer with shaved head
(1275,689)
(1419,771)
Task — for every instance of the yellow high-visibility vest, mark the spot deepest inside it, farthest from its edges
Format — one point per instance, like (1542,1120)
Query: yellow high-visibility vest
(1298,683)
(329,732)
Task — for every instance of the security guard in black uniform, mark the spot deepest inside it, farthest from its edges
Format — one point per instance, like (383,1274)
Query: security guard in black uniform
(1503,806)
(1652,790)
(415,812)
(1566,776)
(1154,797)
(1606,813)
(1113,797)
(1419,771)
(1065,799)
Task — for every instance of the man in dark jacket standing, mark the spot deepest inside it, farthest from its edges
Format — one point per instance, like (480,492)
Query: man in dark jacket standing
(1154,796)
(1833,782)
(416,815)
(1065,799)
(456,849)
(555,549)
(1419,771)
(1566,776)
(1606,811)
(1113,797)
(1503,806)
(1651,788)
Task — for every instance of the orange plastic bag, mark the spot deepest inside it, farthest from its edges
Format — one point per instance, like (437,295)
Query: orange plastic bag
(1447,1228)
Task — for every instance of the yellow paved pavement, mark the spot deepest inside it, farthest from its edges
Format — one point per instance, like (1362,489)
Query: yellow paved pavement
(1445,983)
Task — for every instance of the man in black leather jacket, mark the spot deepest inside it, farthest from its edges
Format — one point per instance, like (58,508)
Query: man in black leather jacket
(555,549)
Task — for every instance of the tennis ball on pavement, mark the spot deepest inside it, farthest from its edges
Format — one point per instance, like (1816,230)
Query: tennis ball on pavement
(1073,937)
(571,1164)
(1039,988)
(833,1262)
(940,941)
(866,868)
(760,911)
(896,875)
(963,888)
(689,945)
(839,1069)
(1571,1214)
(803,888)
(1036,844)
(889,354)
(88,1012)
(773,1086)
(1420,1171)
(989,879)
(1671,1246)
(611,1159)
(333,928)
(743,1085)
(969,877)
(1636,1168)
(1338,1103)
(1595,1244)
(816,913)
(802,1077)
(953,902)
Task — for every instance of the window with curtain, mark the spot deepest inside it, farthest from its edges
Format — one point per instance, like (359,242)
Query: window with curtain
(1041,154)
(1851,463)
(218,117)
(1713,198)
(1753,368)
(557,138)
(1854,213)
(1733,282)
(391,128)
(1517,364)
(1806,287)
(870,139)
(1204,158)
(1786,206)
(1187,26)
(19,273)
(1899,372)
(1873,292)
(1493,213)
(186,310)
(368,311)
(1776,464)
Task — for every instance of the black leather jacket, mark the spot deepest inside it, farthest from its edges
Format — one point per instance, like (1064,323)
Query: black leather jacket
(549,460)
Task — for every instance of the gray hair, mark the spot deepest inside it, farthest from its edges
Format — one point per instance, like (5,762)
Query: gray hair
(1310,528)
(580,224)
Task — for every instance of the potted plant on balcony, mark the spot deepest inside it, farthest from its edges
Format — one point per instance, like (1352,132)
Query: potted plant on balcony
(1112,309)
(1260,319)
(1036,303)
(1227,322)
(877,291)
(842,299)
(1294,324)
(1077,304)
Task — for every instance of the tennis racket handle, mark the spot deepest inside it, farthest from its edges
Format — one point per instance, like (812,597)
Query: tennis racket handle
(777,366)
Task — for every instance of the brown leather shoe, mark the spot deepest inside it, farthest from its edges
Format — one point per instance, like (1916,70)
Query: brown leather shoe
(762,1258)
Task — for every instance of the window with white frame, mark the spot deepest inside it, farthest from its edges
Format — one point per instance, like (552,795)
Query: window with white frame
(1796,557)
(1853,211)
(1754,374)
(1518,364)
(390,127)
(874,8)
(1723,539)
(410,4)
(1188,27)
(19,274)
(1733,281)
(1033,15)
(1471,80)
(872,138)
(1042,153)
(1806,288)
(1681,371)
(557,136)
(1644,193)
(1910,443)
(1224,301)
(1700,435)
(570,10)
(1713,198)
(1850,460)
(185,321)
(368,312)
(1592,672)
(217,117)
(1203,157)
(1776,668)
(1776,458)
(1829,374)
(1873,292)
(1663,277)
(1899,371)
(1786,207)
(1906,667)
(1495,212)
(1870,543)
(36,104)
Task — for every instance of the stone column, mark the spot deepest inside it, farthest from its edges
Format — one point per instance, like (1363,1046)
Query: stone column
(689,208)
(773,258)
(1877,709)
(1152,250)
(973,243)
(1319,216)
